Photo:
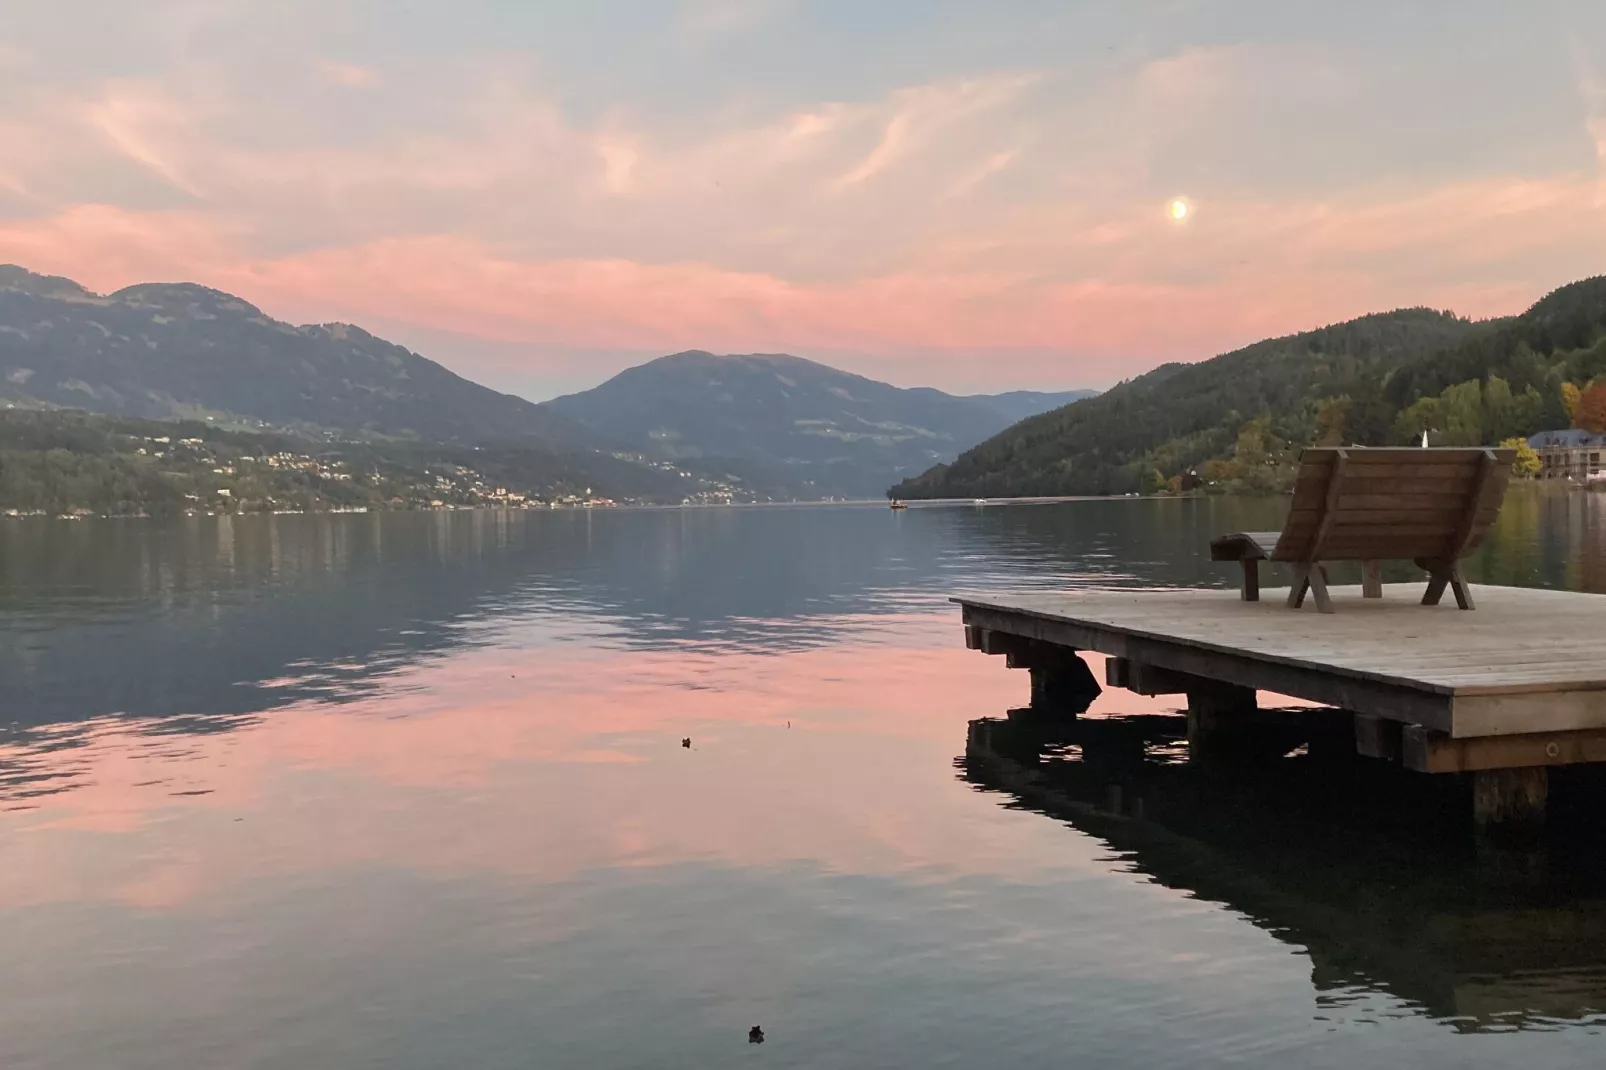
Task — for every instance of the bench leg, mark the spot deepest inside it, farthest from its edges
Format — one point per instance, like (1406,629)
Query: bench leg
(1311,578)
(1438,579)
(1296,593)
(1458,585)
(1371,579)
(1318,587)
(1251,589)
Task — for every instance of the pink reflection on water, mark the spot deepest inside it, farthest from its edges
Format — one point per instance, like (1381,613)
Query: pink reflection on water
(544,762)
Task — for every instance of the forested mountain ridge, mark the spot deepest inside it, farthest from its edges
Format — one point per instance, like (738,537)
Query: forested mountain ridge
(174,351)
(1236,422)
(1555,341)
(1180,415)
(797,419)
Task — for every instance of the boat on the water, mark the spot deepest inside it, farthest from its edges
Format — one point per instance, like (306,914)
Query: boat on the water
(896,504)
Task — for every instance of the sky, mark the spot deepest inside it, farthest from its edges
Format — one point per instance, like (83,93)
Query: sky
(968,195)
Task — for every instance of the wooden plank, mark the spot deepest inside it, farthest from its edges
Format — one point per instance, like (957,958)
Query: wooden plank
(1530,711)
(1427,751)
(1400,548)
(1434,456)
(1310,519)
(1399,479)
(1145,679)
(1429,501)
(1365,522)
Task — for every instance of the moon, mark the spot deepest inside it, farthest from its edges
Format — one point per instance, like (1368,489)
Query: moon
(1179,210)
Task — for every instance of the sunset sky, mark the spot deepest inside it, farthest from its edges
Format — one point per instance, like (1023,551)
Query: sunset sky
(962,194)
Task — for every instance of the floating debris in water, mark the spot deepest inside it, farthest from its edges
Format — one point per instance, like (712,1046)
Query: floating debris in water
(755,1035)
(686,743)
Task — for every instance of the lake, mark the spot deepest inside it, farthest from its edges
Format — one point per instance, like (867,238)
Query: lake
(409,790)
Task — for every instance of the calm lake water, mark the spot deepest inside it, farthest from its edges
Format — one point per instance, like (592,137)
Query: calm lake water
(409,791)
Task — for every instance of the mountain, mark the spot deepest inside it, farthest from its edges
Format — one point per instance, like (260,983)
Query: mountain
(1018,405)
(785,417)
(772,425)
(1179,416)
(166,351)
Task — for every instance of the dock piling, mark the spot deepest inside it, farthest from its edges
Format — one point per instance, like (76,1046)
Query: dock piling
(1220,717)
(1510,800)
(1063,686)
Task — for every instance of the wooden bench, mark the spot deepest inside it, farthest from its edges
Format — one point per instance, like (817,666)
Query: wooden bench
(1430,506)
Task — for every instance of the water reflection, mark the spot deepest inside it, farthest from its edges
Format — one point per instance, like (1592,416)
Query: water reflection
(217,620)
(408,790)
(1364,867)
(219,616)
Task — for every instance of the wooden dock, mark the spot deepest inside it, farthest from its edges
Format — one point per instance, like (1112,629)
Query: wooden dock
(1502,691)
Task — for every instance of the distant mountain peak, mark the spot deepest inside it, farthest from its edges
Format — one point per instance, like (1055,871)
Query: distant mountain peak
(789,417)
(166,350)
(704,357)
(182,294)
(21,280)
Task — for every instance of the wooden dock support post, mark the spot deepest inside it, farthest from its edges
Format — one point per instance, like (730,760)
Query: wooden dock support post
(1510,800)
(1063,685)
(1216,713)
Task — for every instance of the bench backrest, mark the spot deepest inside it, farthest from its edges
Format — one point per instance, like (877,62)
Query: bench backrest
(1358,503)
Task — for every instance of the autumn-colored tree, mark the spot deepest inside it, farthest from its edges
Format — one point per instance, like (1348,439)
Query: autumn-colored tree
(1591,411)
(1527,462)
(1569,399)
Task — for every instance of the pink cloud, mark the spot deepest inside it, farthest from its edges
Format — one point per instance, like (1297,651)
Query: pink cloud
(908,233)
(1161,293)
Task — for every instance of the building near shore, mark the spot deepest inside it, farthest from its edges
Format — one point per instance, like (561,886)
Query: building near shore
(1573,454)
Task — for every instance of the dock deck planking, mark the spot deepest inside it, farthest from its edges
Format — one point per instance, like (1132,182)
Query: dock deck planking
(1526,661)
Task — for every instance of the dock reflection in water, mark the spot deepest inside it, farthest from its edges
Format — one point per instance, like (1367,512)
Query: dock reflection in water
(1368,869)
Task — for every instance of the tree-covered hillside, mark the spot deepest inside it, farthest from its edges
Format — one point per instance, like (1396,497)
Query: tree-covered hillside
(67,462)
(1237,421)
(1180,415)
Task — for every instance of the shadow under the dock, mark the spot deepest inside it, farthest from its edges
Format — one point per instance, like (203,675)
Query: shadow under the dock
(1373,871)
